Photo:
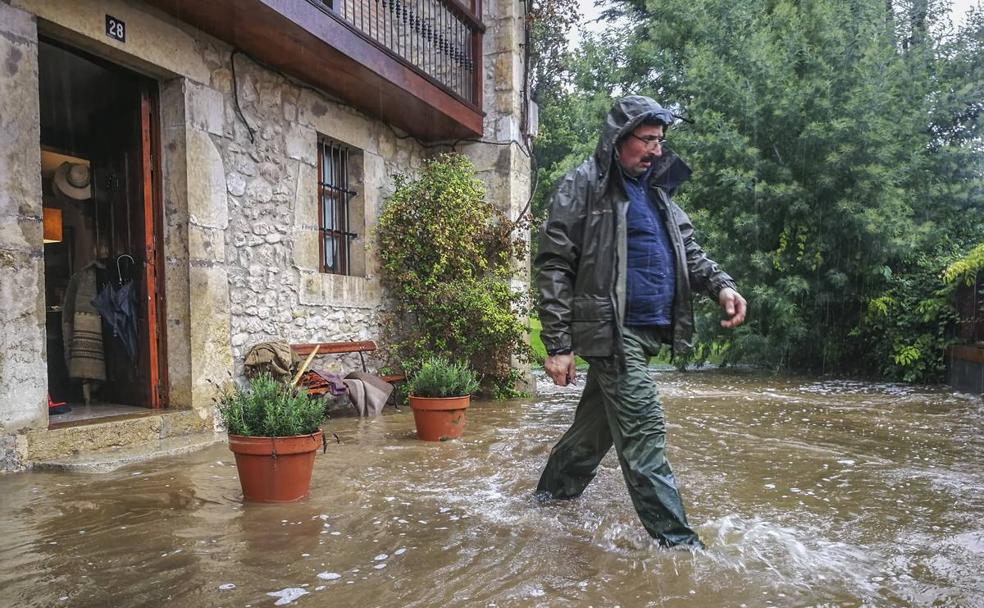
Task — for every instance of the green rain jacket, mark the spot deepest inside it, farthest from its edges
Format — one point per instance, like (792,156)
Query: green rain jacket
(581,259)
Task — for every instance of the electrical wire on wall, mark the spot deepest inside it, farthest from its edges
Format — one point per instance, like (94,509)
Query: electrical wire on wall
(524,145)
(235,95)
(525,125)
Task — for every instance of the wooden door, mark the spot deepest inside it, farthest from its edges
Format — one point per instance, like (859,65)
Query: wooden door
(153,346)
(126,189)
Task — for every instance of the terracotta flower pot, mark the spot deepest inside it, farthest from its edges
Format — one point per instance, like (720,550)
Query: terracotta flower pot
(275,469)
(439,418)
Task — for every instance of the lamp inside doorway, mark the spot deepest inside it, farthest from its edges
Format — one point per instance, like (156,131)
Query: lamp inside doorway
(52,222)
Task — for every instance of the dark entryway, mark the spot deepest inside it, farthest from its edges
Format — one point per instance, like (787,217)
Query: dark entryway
(102,221)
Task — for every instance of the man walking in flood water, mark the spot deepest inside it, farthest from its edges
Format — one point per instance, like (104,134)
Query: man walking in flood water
(617,263)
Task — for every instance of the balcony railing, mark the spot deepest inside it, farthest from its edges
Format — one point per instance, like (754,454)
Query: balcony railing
(440,38)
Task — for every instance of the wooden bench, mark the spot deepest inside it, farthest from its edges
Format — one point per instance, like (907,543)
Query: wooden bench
(344,348)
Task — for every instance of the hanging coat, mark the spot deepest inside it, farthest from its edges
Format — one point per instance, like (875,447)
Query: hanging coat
(81,327)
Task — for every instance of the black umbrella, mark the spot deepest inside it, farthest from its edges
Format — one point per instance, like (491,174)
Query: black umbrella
(118,307)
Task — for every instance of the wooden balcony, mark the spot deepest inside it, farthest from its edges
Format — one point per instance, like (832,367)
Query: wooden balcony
(416,64)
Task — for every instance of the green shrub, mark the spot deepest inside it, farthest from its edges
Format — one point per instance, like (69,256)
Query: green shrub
(270,408)
(447,257)
(438,377)
(966,268)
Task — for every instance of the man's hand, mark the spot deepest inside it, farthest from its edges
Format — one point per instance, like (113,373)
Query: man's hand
(733,305)
(561,369)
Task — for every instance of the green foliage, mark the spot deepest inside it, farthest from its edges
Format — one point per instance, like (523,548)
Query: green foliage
(966,268)
(447,257)
(836,154)
(270,408)
(438,377)
(907,324)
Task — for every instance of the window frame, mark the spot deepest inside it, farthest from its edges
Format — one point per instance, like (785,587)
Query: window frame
(334,158)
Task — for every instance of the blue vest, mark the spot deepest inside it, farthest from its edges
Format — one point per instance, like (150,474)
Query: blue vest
(651,275)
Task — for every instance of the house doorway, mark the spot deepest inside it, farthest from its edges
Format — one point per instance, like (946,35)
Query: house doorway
(102,223)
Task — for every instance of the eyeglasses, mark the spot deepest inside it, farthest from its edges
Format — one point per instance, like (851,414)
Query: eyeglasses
(651,141)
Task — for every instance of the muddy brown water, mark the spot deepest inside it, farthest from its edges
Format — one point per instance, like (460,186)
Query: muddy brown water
(807,493)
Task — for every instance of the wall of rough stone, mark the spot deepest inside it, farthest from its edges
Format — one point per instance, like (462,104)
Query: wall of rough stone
(276,290)
(239,192)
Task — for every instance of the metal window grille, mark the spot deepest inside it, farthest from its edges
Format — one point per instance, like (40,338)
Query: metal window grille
(334,197)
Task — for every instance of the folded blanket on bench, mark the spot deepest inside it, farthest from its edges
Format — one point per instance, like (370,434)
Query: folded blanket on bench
(368,393)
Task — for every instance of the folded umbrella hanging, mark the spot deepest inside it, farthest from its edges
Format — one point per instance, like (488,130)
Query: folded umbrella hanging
(117,304)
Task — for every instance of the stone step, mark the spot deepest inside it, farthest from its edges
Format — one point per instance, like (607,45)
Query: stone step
(108,444)
(109,460)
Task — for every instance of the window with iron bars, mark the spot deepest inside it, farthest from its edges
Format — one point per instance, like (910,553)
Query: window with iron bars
(334,207)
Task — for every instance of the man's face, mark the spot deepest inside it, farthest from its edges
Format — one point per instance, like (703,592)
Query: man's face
(638,150)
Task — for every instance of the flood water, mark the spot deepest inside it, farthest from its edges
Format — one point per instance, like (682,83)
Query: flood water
(807,493)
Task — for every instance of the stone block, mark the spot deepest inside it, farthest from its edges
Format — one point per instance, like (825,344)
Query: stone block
(312,292)
(387,144)
(173,109)
(373,182)
(22,234)
(205,109)
(302,144)
(508,36)
(207,198)
(290,111)
(505,100)
(349,291)
(23,375)
(485,157)
(20,131)
(211,350)
(306,197)
(306,249)
(176,423)
(222,82)
(60,443)
(504,66)
(508,129)
(17,23)
(205,244)
(337,122)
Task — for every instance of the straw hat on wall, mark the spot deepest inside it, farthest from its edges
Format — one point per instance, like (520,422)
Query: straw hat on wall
(73,180)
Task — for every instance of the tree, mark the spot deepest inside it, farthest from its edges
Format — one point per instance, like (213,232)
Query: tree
(837,158)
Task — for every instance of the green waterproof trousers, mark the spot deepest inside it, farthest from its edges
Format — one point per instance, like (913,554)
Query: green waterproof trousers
(621,406)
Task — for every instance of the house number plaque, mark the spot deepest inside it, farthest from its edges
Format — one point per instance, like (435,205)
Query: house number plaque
(115,28)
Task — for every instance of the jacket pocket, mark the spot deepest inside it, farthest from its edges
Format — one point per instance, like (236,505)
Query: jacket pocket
(593,327)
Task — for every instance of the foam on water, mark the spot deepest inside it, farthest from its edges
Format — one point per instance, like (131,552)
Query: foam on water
(288,595)
(793,557)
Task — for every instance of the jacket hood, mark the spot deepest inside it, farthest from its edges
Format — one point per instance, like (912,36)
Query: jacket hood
(668,172)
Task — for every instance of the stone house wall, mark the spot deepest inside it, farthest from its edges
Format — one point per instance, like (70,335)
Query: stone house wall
(241,225)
